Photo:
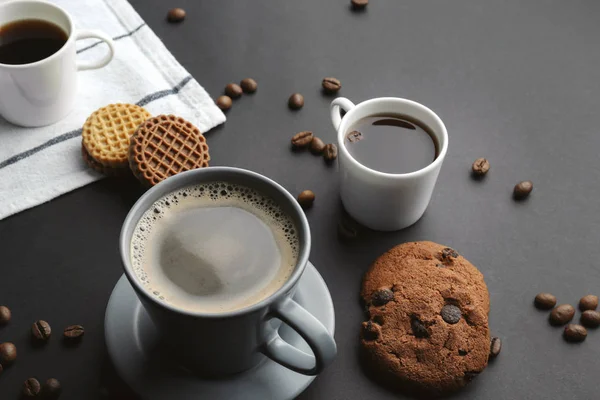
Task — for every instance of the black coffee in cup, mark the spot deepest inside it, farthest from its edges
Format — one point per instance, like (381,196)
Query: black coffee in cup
(214,247)
(29,40)
(391,143)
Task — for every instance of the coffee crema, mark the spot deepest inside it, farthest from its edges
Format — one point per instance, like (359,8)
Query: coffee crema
(214,247)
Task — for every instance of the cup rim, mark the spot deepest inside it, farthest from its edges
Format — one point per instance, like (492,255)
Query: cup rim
(52,56)
(156,192)
(413,174)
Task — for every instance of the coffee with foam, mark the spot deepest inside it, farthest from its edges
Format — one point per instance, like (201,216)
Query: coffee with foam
(214,247)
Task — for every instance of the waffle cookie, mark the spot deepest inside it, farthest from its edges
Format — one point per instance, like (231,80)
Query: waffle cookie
(107,131)
(164,146)
(96,166)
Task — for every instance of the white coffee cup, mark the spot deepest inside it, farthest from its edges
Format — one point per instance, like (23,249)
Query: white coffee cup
(379,200)
(43,92)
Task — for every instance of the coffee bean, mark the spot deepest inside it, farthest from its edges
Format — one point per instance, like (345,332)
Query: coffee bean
(31,387)
(51,389)
(224,102)
(562,314)
(331,85)
(545,301)
(381,297)
(575,333)
(41,330)
(176,15)
(418,328)
(233,90)
(451,314)
(5,315)
(354,136)
(370,331)
(302,139)
(8,353)
(306,198)
(317,146)
(495,346)
(590,319)
(522,190)
(74,332)
(480,167)
(589,302)
(359,4)
(296,101)
(330,152)
(249,85)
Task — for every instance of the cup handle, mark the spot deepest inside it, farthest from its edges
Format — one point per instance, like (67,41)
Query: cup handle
(85,34)
(337,104)
(312,331)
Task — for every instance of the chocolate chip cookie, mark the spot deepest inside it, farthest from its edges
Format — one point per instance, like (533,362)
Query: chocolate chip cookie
(427,328)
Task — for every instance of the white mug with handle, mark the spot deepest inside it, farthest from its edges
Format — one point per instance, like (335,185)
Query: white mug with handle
(43,92)
(380,200)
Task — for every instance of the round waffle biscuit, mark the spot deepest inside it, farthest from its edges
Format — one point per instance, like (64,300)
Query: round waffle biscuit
(107,131)
(164,146)
(96,166)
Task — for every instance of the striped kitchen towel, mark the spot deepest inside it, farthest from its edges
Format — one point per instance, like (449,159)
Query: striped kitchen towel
(39,164)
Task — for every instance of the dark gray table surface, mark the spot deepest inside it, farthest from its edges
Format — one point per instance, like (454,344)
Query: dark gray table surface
(516,82)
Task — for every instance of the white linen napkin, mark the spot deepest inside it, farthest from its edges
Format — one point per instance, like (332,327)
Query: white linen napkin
(39,164)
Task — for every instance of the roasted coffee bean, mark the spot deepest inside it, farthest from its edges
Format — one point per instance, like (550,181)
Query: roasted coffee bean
(5,315)
(589,302)
(40,330)
(8,353)
(51,389)
(31,387)
(480,167)
(249,85)
(381,297)
(495,346)
(302,139)
(354,136)
(545,301)
(224,102)
(306,198)
(448,253)
(176,15)
(418,327)
(74,332)
(370,331)
(331,85)
(296,101)
(451,314)
(575,333)
(330,152)
(233,90)
(522,190)
(562,314)
(590,319)
(317,146)
(359,4)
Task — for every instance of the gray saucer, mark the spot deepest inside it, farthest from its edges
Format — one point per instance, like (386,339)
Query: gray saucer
(132,343)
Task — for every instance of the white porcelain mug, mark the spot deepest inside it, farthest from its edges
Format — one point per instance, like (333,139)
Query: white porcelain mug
(379,200)
(43,92)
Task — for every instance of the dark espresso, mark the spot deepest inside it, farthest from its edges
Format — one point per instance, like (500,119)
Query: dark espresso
(29,40)
(396,144)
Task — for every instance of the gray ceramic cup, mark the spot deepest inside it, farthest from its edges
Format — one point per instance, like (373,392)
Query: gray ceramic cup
(230,342)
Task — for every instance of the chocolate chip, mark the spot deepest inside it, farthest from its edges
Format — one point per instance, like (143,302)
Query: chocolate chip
(448,252)
(589,302)
(495,346)
(562,314)
(370,331)
(544,301)
(590,319)
(381,297)
(418,328)
(176,15)
(462,352)
(451,314)
(575,333)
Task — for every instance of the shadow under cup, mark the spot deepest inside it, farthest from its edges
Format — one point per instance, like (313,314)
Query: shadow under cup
(216,344)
